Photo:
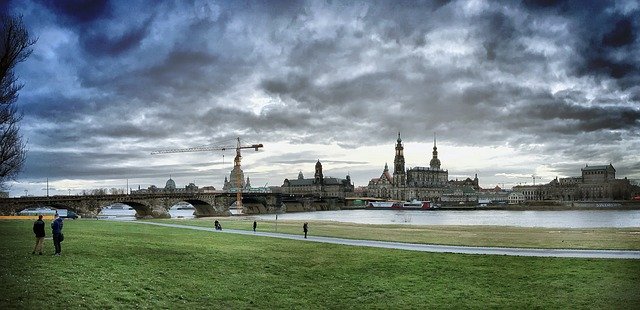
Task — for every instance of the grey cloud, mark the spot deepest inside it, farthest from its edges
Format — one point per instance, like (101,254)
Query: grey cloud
(352,74)
(80,11)
(101,44)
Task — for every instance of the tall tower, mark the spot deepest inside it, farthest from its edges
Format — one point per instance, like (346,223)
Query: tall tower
(318,178)
(399,178)
(435,162)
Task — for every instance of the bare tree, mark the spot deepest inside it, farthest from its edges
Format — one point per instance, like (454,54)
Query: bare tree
(15,47)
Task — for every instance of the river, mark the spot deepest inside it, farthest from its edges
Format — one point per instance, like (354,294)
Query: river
(547,219)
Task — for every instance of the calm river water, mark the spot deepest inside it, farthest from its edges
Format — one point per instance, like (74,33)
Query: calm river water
(548,219)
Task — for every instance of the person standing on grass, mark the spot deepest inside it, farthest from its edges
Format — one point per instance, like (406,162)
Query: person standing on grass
(56,230)
(254,226)
(305,228)
(38,229)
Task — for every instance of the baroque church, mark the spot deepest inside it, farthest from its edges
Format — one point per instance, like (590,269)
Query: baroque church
(236,177)
(422,183)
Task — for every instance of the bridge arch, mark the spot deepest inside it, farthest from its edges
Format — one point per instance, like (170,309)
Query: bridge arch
(203,208)
(142,210)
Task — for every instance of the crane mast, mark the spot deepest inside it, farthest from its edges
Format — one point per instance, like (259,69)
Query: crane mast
(236,164)
(236,161)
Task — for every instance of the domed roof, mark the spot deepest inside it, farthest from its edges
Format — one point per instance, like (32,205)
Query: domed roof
(170,184)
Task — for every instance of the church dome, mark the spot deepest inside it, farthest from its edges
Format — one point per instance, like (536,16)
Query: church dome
(170,184)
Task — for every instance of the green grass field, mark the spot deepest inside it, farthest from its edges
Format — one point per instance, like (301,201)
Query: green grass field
(500,236)
(112,265)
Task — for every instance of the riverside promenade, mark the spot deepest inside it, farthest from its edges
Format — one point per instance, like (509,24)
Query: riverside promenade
(434,248)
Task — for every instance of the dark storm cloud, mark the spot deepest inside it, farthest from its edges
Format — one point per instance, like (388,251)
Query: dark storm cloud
(79,11)
(586,118)
(101,44)
(134,77)
(622,34)
(608,41)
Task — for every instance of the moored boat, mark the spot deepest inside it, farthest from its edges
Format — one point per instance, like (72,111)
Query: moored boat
(417,204)
(380,204)
(411,205)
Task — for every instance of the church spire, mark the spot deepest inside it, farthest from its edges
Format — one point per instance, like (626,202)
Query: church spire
(398,161)
(435,162)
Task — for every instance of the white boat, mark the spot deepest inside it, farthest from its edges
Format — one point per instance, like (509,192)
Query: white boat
(380,204)
(414,204)
(118,207)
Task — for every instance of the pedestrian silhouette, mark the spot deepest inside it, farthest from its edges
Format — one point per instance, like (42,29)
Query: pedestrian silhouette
(56,230)
(254,226)
(38,229)
(305,228)
(217,225)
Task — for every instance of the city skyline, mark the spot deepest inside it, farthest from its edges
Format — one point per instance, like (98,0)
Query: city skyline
(512,90)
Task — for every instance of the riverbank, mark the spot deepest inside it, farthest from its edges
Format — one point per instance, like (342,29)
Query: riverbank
(491,236)
(126,265)
(528,206)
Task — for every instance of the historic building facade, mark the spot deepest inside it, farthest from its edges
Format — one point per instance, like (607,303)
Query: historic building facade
(236,180)
(422,183)
(595,183)
(170,187)
(381,187)
(320,185)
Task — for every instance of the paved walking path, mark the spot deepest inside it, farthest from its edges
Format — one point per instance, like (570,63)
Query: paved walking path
(614,254)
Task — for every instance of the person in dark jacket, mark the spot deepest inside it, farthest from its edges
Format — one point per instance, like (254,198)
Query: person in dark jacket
(38,229)
(305,228)
(254,226)
(56,230)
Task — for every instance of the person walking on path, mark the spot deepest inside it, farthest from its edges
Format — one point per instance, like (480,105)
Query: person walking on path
(38,229)
(56,230)
(254,226)
(305,228)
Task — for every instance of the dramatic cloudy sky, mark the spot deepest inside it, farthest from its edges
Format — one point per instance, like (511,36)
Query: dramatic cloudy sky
(510,88)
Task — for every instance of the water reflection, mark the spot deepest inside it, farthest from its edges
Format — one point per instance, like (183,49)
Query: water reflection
(182,210)
(123,212)
(547,219)
(118,212)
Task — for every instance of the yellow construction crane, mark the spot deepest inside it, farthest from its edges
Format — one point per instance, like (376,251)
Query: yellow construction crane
(236,161)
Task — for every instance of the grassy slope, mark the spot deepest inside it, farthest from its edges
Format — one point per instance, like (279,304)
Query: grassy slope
(601,238)
(125,265)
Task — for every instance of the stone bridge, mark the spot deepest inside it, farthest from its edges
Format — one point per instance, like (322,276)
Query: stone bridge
(157,205)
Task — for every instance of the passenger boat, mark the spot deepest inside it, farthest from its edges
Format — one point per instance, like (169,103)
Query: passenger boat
(380,204)
(413,205)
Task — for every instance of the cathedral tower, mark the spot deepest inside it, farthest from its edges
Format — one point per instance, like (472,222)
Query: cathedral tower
(318,177)
(435,162)
(398,164)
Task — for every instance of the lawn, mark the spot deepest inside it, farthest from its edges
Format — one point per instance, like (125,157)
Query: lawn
(497,236)
(126,265)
